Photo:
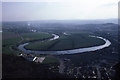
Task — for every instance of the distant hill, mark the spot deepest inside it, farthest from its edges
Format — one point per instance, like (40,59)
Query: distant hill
(80,22)
(98,21)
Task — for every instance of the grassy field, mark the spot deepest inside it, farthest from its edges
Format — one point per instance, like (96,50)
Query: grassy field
(11,38)
(50,59)
(8,39)
(11,41)
(73,41)
(35,36)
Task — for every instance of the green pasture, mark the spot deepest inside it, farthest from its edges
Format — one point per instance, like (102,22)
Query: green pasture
(50,59)
(35,36)
(11,38)
(72,41)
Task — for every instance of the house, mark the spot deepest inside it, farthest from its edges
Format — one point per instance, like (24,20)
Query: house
(38,59)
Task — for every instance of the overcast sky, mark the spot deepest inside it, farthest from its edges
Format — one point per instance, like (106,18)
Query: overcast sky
(59,10)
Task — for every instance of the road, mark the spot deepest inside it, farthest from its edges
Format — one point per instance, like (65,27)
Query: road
(62,66)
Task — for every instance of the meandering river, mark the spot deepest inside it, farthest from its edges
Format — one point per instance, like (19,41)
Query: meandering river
(73,51)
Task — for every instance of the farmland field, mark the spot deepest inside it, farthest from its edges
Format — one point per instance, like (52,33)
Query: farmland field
(66,42)
(12,39)
(50,59)
(35,36)
(8,39)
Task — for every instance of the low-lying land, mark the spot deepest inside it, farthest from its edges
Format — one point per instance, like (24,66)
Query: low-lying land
(67,42)
(9,39)
(12,39)
(35,36)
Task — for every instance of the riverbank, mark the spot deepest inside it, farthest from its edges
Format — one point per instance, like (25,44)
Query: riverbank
(80,50)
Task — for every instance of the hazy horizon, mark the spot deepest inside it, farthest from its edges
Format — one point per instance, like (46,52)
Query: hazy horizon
(62,10)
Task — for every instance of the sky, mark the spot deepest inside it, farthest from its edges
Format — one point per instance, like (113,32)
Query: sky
(22,10)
